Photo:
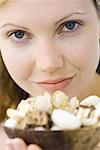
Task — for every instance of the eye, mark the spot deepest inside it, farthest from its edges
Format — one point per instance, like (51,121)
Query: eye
(69,26)
(19,35)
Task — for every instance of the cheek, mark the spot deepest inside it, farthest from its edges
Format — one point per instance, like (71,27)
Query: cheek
(19,66)
(83,54)
(86,56)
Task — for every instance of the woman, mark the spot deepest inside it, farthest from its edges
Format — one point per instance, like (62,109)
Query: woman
(44,51)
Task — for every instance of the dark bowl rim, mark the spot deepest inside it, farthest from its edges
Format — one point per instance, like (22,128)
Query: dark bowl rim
(78,129)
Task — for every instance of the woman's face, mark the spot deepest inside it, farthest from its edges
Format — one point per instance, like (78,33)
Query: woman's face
(50,45)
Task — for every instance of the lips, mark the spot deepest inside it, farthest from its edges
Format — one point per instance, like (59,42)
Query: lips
(53,85)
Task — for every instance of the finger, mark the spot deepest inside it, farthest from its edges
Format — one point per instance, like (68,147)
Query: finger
(19,144)
(15,144)
(8,145)
(33,147)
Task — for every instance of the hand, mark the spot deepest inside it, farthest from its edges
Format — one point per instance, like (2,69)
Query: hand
(19,144)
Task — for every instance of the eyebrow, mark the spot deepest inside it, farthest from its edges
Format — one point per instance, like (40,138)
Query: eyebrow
(70,15)
(60,20)
(11,24)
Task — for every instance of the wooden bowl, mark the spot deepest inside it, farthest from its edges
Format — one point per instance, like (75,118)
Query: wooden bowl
(85,138)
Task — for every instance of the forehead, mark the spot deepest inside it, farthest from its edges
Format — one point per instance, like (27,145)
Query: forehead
(43,9)
(48,4)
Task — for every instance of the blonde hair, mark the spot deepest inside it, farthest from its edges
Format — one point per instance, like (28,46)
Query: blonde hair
(2,2)
(10,93)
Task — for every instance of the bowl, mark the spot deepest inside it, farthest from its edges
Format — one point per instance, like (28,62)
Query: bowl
(85,138)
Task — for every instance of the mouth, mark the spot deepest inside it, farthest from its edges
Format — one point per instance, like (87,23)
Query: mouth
(53,85)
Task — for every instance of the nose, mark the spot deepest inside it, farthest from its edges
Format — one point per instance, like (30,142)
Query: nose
(49,59)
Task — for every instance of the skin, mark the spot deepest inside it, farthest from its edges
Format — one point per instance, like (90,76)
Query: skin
(49,51)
